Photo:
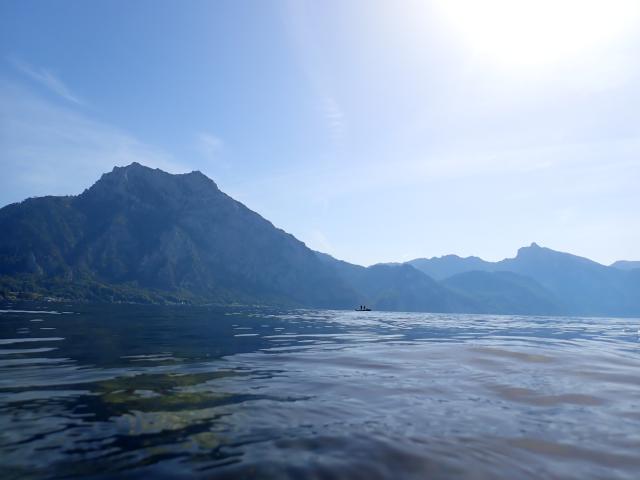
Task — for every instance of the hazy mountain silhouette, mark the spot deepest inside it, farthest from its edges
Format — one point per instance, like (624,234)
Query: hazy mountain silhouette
(440,268)
(399,287)
(505,292)
(626,264)
(575,285)
(140,234)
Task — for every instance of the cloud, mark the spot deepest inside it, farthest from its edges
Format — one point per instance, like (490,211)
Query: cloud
(313,62)
(317,240)
(209,145)
(334,117)
(46,149)
(48,79)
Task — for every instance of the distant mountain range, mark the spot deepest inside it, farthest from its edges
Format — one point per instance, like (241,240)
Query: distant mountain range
(143,235)
(625,265)
(542,279)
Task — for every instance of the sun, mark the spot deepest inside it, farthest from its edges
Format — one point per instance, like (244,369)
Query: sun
(536,33)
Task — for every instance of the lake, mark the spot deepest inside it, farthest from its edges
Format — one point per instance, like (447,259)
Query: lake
(182,392)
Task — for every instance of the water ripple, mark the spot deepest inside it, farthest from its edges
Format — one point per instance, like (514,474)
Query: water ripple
(143,392)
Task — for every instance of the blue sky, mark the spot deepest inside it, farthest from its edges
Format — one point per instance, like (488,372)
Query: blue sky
(374,131)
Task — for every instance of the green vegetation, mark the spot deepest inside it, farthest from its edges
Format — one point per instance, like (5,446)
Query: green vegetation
(145,236)
(33,287)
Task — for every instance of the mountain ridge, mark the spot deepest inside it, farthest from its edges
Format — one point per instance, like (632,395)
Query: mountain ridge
(626,264)
(141,234)
(146,235)
(580,285)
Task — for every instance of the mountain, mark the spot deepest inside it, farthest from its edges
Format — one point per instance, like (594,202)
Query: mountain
(144,235)
(399,287)
(585,287)
(440,268)
(139,228)
(626,265)
(140,234)
(505,292)
(576,285)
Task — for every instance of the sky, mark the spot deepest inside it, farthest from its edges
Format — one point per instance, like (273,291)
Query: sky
(375,131)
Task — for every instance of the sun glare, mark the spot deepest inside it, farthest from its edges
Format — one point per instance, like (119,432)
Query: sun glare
(535,33)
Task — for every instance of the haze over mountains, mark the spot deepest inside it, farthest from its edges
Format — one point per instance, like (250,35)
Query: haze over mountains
(541,278)
(140,234)
(626,265)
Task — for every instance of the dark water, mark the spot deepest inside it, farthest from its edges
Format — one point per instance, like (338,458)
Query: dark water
(148,392)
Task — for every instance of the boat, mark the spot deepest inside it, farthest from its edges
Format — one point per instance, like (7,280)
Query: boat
(363,308)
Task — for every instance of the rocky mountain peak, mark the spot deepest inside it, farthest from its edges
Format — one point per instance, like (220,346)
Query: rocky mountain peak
(144,184)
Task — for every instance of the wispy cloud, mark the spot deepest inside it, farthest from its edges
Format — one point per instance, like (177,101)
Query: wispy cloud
(46,148)
(209,145)
(46,78)
(317,240)
(334,117)
(313,63)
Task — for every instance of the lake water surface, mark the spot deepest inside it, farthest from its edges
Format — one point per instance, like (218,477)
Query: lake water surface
(151,392)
